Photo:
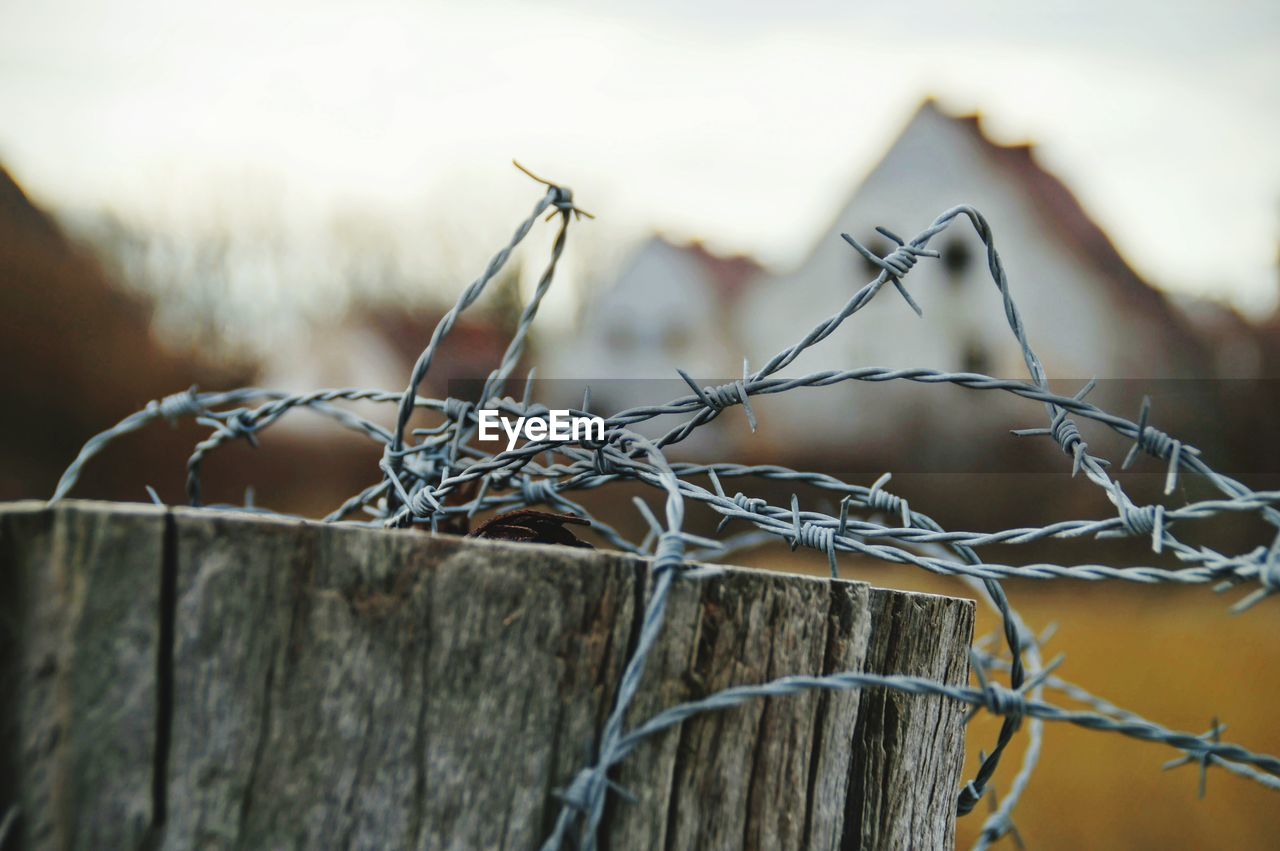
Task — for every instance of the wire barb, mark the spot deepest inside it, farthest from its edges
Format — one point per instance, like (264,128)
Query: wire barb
(1201,756)
(1155,442)
(895,265)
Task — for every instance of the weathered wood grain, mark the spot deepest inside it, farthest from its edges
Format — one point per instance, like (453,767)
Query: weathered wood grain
(81,592)
(887,808)
(180,679)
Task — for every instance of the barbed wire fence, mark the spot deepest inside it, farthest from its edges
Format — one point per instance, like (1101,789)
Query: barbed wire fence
(422,468)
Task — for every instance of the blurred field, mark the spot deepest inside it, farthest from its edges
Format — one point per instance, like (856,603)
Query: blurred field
(1176,657)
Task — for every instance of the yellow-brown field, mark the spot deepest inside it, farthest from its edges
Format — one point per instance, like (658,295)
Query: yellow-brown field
(1175,656)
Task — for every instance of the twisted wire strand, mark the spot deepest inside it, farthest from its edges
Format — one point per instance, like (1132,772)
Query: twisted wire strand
(556,196)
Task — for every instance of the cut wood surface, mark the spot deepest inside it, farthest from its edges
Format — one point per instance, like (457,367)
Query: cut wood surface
(197,679)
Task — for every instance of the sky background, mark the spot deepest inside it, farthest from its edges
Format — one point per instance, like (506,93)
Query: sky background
(743,123)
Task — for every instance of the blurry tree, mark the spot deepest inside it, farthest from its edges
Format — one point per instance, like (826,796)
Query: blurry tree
(78,355)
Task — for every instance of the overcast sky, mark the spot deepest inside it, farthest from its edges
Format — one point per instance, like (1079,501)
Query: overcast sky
(745,123)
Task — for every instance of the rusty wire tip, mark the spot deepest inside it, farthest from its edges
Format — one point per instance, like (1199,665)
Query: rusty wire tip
(541,180)
(564,206)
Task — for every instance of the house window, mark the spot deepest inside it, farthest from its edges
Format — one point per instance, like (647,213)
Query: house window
(620,338)
(975,358)
(956,259)
(676,338)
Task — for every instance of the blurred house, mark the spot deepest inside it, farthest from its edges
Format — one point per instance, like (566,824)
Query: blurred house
(1235,346)
(1087,313)
(1244,393)
(667,308)
(671,306)
(375,346)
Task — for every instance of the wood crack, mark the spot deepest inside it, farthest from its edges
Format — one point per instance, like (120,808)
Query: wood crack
(167,618)
(259,751)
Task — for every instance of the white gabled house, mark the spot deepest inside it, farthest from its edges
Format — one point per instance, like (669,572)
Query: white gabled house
(1088,314)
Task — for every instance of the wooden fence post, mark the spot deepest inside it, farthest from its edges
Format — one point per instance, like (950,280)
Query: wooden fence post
(196,679)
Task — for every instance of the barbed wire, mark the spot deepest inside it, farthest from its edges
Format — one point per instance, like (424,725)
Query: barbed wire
(424,474)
